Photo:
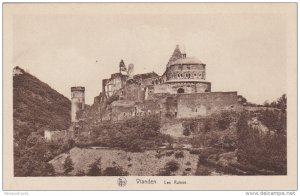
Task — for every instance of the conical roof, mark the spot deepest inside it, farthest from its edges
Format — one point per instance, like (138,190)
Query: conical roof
(176,55)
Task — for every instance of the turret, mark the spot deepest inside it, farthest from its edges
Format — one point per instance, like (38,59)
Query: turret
(77,101)
(122,68)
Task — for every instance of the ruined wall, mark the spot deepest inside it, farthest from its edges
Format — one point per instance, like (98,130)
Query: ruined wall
(114,83)
(134,92)
(183,87)
(122,109)
(77,101)
(204,104)
(147,107)
(56,135)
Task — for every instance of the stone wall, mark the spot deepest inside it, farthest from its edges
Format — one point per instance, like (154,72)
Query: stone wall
(204,104)
(56,135)
(122,109)
(134,92)
(185,87)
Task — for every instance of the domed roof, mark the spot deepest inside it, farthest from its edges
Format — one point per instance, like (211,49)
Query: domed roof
(187,61)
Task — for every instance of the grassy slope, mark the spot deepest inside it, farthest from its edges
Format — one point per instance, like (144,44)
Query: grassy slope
(135,163)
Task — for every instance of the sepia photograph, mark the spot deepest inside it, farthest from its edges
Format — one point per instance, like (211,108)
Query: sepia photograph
(143,92)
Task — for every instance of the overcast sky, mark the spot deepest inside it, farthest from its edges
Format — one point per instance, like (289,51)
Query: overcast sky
(244,52)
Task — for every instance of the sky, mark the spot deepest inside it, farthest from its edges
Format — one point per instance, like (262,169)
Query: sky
(243,52)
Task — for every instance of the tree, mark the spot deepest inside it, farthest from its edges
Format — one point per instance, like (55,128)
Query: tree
(95,168)
(68,165)
(172,166)
(242,100)
(114,171)
(281,102)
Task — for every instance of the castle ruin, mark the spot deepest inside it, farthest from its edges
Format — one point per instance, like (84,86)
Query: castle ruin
(182,91)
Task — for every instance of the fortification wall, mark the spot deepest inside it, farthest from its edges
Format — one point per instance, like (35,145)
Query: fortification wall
(204,104)
(183,87)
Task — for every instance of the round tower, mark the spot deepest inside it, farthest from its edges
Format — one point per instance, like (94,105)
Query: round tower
(77,101)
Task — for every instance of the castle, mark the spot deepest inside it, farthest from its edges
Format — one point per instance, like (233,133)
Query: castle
(182,91)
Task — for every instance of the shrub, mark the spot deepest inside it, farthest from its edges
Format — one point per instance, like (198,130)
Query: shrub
(95,168)
(202,171)
(186,132)
(169,153)
(68,165)
(114,171)
(188,169)
(224,120)
(179,155)
(133,135)
(172,166)
(265,151)
(80,173)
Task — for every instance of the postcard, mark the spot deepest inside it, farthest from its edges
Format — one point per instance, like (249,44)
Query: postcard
(150,96)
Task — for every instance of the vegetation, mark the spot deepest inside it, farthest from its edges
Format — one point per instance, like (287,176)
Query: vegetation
(263,150)
(95,168)
(179,155)
(170,167)
(114,171)
(68,165)
(134,135)
(213,131)
(280,103)
(36,106)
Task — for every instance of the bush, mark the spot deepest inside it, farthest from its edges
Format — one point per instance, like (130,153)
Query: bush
(169,153)
(133,135)
(172,166)
(114,171)
(224,120)
(68,165)
(273,119)
(202,171)
(95,168)
(179,155)
(186,132)
(265,151)
(80,173)
(188,169)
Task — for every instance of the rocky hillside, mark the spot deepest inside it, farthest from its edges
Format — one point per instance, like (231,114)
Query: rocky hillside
(37,105)
(148,163)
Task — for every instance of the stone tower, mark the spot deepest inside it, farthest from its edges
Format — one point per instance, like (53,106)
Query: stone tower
(77,101)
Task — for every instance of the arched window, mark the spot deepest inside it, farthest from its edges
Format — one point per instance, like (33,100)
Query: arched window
(180,90)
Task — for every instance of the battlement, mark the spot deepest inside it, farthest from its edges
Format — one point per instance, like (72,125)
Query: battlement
(78,88)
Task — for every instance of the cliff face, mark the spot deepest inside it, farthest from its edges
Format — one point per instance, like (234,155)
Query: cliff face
(37,105)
